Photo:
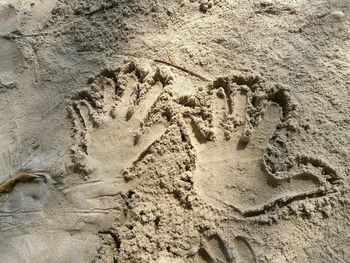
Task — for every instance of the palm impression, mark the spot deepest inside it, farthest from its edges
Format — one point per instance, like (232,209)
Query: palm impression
(109,118)
(235,126)
(234,135)
(230,126)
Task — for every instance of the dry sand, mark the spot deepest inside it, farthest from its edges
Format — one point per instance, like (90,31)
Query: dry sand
(246,160)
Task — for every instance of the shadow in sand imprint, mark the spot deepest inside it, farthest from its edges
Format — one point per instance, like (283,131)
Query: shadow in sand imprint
(243,251)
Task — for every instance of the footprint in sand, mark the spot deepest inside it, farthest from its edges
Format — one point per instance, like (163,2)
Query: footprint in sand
(215,250)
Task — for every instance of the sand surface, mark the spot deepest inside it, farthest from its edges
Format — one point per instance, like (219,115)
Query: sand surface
(237,149)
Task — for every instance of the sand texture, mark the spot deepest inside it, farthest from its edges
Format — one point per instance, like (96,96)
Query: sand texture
(185,131)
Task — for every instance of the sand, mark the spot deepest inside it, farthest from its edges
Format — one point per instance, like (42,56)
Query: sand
(235,150)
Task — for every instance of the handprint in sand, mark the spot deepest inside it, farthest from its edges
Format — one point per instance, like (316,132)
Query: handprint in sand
(110,125)
(230,126)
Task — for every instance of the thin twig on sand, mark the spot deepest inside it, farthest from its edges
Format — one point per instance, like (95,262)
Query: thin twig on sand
(183,69)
